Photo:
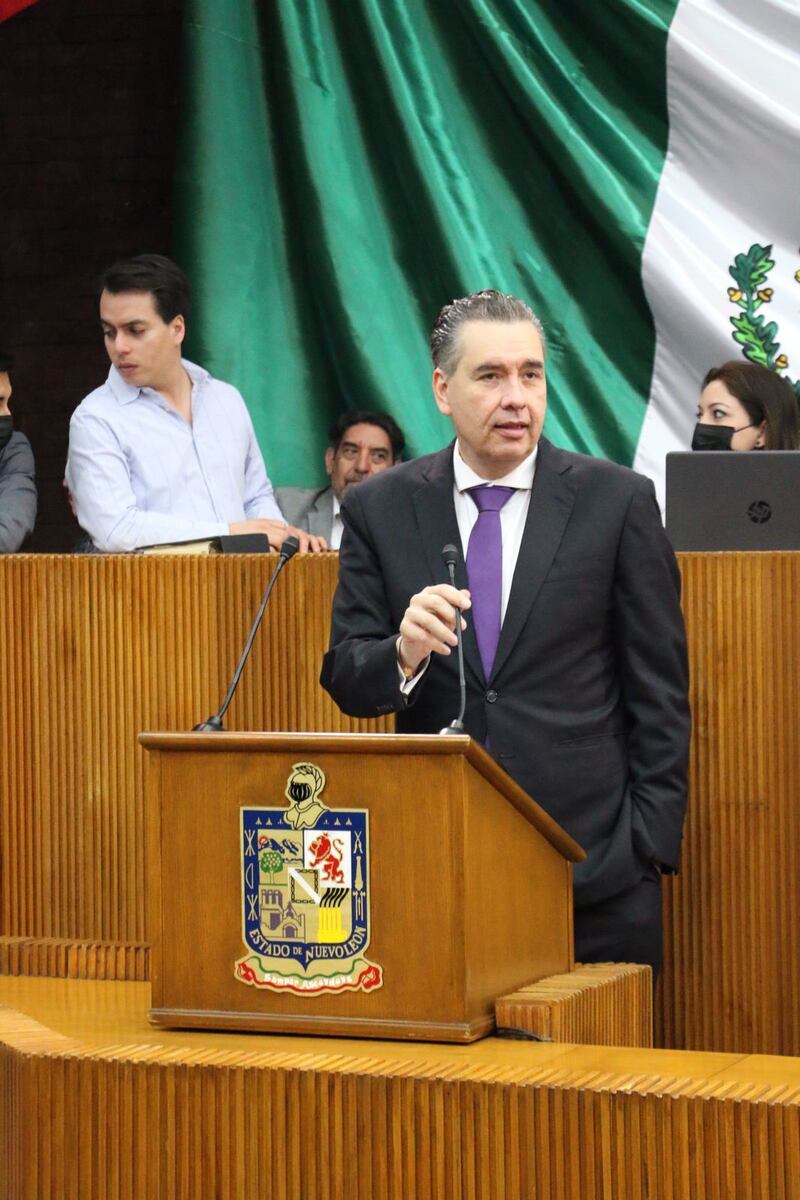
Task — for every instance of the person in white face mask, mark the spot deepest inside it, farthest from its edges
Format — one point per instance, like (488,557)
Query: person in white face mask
(744,406)
(17,483)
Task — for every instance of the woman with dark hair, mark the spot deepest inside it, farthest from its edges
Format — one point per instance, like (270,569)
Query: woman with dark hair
(744,406)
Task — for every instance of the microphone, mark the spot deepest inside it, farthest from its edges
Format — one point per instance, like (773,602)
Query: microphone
(214,724)
(450,557)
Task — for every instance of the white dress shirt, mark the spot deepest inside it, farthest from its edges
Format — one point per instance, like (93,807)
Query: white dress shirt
(337,525)
(141,475)
(513,516)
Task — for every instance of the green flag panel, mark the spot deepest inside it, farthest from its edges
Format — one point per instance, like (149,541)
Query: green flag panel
(348,166)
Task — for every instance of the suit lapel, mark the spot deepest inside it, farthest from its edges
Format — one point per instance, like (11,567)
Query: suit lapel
(320,515)
(552,498)
(436,520)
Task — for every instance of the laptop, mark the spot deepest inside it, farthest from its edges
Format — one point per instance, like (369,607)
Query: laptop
(734,500)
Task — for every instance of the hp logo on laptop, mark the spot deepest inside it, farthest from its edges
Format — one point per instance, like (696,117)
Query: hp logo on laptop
(760,512)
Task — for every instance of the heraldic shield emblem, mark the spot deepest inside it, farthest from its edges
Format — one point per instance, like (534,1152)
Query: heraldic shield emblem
(305,891)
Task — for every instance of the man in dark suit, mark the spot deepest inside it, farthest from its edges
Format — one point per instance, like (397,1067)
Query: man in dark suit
(17,480)
(574,642)
(362,444)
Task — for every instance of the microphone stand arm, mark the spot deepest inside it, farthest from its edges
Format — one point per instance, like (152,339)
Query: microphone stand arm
(214,723)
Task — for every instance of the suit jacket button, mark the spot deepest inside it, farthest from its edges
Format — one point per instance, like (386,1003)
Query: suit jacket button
(491,696)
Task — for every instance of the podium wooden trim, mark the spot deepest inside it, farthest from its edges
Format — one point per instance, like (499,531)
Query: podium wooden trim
(482,906)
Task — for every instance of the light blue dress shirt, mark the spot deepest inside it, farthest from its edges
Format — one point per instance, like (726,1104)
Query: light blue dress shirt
(140,475)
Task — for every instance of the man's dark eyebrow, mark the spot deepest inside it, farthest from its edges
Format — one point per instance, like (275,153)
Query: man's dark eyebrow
(499,366)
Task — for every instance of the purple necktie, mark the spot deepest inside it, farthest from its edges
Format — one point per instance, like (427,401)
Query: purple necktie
(485,569)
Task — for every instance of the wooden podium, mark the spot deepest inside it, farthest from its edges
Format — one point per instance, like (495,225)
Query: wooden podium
(411,887)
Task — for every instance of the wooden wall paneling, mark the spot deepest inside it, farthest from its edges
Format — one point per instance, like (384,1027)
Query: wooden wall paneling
(101,647)
(732,966)
(98,648)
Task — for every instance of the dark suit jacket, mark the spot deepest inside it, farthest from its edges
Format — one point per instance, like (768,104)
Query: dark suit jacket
(17,493)
(586,706)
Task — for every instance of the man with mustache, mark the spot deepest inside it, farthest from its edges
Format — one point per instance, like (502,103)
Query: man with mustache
(362,444)
(568,593)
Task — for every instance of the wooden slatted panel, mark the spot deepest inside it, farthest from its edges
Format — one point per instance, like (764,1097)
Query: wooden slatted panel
(71,959)
(166,1122)
(603,1004)
(732,965)
(95,649)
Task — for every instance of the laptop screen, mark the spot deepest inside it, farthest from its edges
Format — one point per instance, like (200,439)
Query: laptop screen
(729,500)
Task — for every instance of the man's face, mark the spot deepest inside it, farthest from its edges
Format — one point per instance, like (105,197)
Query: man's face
(144,348)
(5,393)
(363,451)
(497,395)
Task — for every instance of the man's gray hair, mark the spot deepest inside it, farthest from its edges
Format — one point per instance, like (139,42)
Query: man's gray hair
(488,305)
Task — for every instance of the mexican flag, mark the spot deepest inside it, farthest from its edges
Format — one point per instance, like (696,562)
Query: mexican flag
(629,168)
(721,263)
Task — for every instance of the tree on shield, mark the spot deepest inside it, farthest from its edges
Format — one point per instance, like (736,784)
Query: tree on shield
(271,862)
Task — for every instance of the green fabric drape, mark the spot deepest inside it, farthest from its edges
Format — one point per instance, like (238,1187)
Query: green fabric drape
(348,166)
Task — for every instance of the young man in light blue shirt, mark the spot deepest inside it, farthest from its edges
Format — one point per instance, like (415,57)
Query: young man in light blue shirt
(162,452)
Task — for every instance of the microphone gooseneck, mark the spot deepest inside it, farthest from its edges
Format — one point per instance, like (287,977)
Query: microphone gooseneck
(450,558)
(214,723)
